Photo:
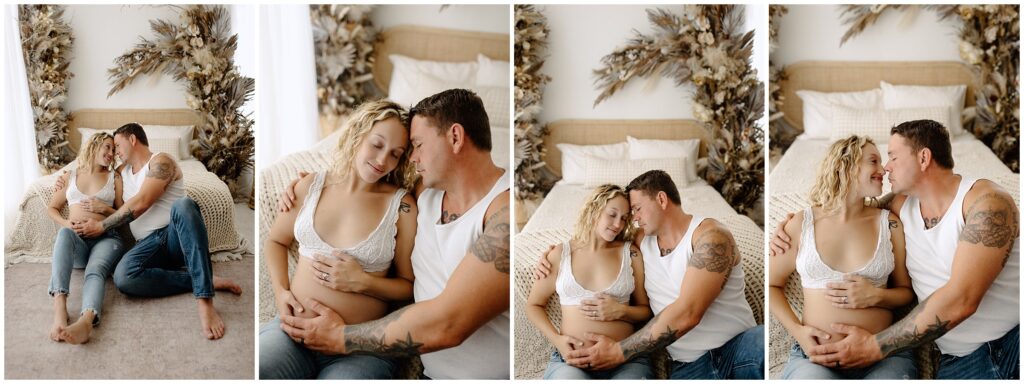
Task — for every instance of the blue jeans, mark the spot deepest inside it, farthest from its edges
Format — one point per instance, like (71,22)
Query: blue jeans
(896,367)
(281,358)
(637,369)
(153,267)
(740,358)
(998,359)
(97,255)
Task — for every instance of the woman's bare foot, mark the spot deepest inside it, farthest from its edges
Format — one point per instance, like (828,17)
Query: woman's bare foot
(226,284)
(213,326)
(78,333)
(60,316)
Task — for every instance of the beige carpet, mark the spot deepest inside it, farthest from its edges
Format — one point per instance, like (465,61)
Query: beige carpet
(139,338)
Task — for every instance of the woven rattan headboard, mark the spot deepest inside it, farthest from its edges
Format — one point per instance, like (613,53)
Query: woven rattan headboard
(435,44)
(597,132)
(850,76)
(114,118)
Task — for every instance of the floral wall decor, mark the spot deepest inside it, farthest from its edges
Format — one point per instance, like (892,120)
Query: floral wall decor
(46,44)
(990,43)
(533,180)
(198,51)
(780,134)
(343,39)
(705,47)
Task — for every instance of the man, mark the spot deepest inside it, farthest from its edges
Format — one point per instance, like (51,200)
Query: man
(169,230)
(460,321)
(963,260)
(709,331)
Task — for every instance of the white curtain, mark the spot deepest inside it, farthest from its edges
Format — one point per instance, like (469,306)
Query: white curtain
(20,164)
(289,120)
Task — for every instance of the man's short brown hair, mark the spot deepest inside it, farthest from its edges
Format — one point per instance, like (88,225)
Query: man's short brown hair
(133,129)
(457,106)
(927,134)
(652,182)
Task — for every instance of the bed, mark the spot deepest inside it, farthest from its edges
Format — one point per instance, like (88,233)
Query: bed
(34,233)
(791,179)
(417,42)
(554,218)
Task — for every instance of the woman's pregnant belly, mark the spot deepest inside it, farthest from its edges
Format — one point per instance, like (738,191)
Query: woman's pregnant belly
(354,308)
(77,213)
(819,313)
(576,325)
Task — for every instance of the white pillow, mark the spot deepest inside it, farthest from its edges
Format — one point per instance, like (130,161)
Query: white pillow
(600,171)
(818,112)
(408,73)
(183,132)
(877,123)
(574,158)
(640,149)
(920,96)
(492,73)
(499,146)
(496,103)
(168,145)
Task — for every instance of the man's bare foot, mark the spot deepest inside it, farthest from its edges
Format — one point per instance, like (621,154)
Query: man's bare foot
(226,284)
(213,326)
(78,333)
(60,317)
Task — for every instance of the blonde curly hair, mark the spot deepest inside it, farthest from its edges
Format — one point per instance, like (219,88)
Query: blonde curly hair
(359,124)
(87,155)
(592,209)
(837,174)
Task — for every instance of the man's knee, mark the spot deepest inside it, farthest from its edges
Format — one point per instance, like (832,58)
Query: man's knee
(185,206)
(124,279)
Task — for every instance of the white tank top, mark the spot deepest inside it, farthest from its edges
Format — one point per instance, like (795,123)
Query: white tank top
(439,248)
(728,316)
(374,253)
(75,196)
(930,260)
(158,215)
(570,292)
(815,274)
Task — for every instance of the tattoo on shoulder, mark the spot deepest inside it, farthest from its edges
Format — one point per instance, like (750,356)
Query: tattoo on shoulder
(633,252)
(893,224)
(715,252)
(493,244)
(404,207)
(119,218)
(990,221)
(647,340)
(370,338)
(162,170)
(904,334)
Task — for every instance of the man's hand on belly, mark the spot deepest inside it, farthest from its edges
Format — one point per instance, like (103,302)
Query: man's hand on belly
(604,354)
(857,350)
(323,333)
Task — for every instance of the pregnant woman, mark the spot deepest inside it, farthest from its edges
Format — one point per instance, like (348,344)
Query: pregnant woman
(851,262)
(358,221)
(599,278)
(92,191)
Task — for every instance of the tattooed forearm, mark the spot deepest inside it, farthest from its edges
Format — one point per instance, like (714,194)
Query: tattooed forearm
(370,338)
(119,218)
(493,244)
(904,334)
(648,339)
(715,252)
(990,221)
(404,207)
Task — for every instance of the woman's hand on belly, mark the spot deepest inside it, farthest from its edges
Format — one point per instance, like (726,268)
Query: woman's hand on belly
(808,336)
(340,272)
(602,308)
(286,303)
(853,292)
(566,343)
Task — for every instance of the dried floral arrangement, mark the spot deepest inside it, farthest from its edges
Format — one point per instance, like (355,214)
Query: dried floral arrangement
(780,134)
(533,180)
(990,44)
(343,39)
(706,48)
(199,52)
(46,44)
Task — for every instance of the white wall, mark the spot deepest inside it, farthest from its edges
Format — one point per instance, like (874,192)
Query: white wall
(482,18)
(580,36)
(103,32)
(813,32)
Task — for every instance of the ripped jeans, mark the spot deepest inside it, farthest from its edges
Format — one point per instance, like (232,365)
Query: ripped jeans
(98,256)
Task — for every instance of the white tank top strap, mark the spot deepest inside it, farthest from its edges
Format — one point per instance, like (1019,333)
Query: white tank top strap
(815,274)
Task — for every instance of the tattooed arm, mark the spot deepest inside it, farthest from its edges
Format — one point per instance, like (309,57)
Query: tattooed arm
(477,292)
(162,171)
(991,227)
